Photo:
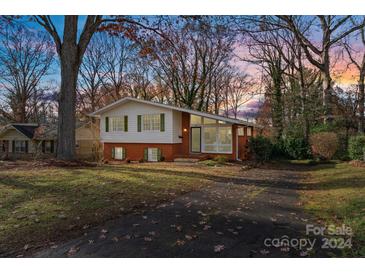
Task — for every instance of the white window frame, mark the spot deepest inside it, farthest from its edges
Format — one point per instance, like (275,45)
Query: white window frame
(118,153)
(153,152)
(217,144)
(249,131)
(117,124)
(151,122)
(16,146)
(241,131)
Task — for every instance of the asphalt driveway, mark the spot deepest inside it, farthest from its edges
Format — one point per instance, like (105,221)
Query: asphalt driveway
(227,219)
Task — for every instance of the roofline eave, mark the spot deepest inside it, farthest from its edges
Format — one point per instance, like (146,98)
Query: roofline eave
(195,112)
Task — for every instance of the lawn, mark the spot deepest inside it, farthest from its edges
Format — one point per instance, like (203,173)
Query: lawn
(336,195)
(41,205)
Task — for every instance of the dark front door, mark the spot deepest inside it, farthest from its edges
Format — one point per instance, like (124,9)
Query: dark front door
(195,139)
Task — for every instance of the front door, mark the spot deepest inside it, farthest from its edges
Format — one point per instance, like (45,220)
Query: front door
(196,139)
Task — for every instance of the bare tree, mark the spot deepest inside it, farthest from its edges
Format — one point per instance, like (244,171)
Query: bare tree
(332,29)
(25,59)
(118,53)
(188,54)
(141,79)
(70,48)
(237,92)
(265,51)
(357,59)
(89,91)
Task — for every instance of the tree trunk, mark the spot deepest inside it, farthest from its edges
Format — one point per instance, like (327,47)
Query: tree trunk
(70,62)
(361,104)
(326,94)
(326,86)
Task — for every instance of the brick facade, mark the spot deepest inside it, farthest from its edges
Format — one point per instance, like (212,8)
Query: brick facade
(135,151)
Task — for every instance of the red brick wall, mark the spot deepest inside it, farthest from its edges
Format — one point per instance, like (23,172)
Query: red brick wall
(243,145)
(135,151)
(184,147)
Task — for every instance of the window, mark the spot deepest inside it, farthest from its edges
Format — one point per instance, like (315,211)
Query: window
(225,139)
(151,122)
(241,131)
(20,146)
(195,120)
(218,139)
(208,121)
(210,139)
(117,124)
(249,131)
(119,153)
(152,154)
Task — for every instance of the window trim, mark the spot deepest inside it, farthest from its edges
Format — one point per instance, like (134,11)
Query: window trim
(120,128)
(251,131)
(15,146)
(191,139)
(115,153)
(151,122)
(218,145)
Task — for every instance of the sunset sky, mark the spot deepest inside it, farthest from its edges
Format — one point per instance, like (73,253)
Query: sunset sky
(343,74)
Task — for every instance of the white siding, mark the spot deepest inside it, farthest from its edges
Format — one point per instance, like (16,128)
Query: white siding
(176,126)
(132,109)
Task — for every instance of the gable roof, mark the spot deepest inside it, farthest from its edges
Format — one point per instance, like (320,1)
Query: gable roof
(194,112)
(27,130)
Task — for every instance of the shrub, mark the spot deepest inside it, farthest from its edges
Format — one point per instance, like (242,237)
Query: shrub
(324,144)
(357,147)
(297,148)
(261,148)
(220,159)
(278,150)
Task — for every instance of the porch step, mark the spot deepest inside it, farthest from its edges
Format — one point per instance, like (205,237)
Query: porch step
(186,160)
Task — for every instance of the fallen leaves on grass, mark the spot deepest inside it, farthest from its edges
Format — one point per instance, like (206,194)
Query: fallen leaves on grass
(73,250)
(180,242)
(218,248)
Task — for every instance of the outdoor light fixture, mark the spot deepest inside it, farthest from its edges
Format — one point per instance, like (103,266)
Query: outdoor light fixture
(185,130)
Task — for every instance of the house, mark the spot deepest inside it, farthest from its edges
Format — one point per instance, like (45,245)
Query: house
(136,130)
(19,140)
(29,141)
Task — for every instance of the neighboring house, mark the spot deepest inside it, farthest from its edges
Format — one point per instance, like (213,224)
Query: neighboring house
(134,129)
(26,141)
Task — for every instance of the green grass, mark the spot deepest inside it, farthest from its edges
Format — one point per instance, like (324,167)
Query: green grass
(46,204)
(336,195)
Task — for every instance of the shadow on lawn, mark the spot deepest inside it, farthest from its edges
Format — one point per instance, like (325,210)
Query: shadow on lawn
(285,182)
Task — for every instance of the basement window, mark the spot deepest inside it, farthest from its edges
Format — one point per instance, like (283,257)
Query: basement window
(119,153)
